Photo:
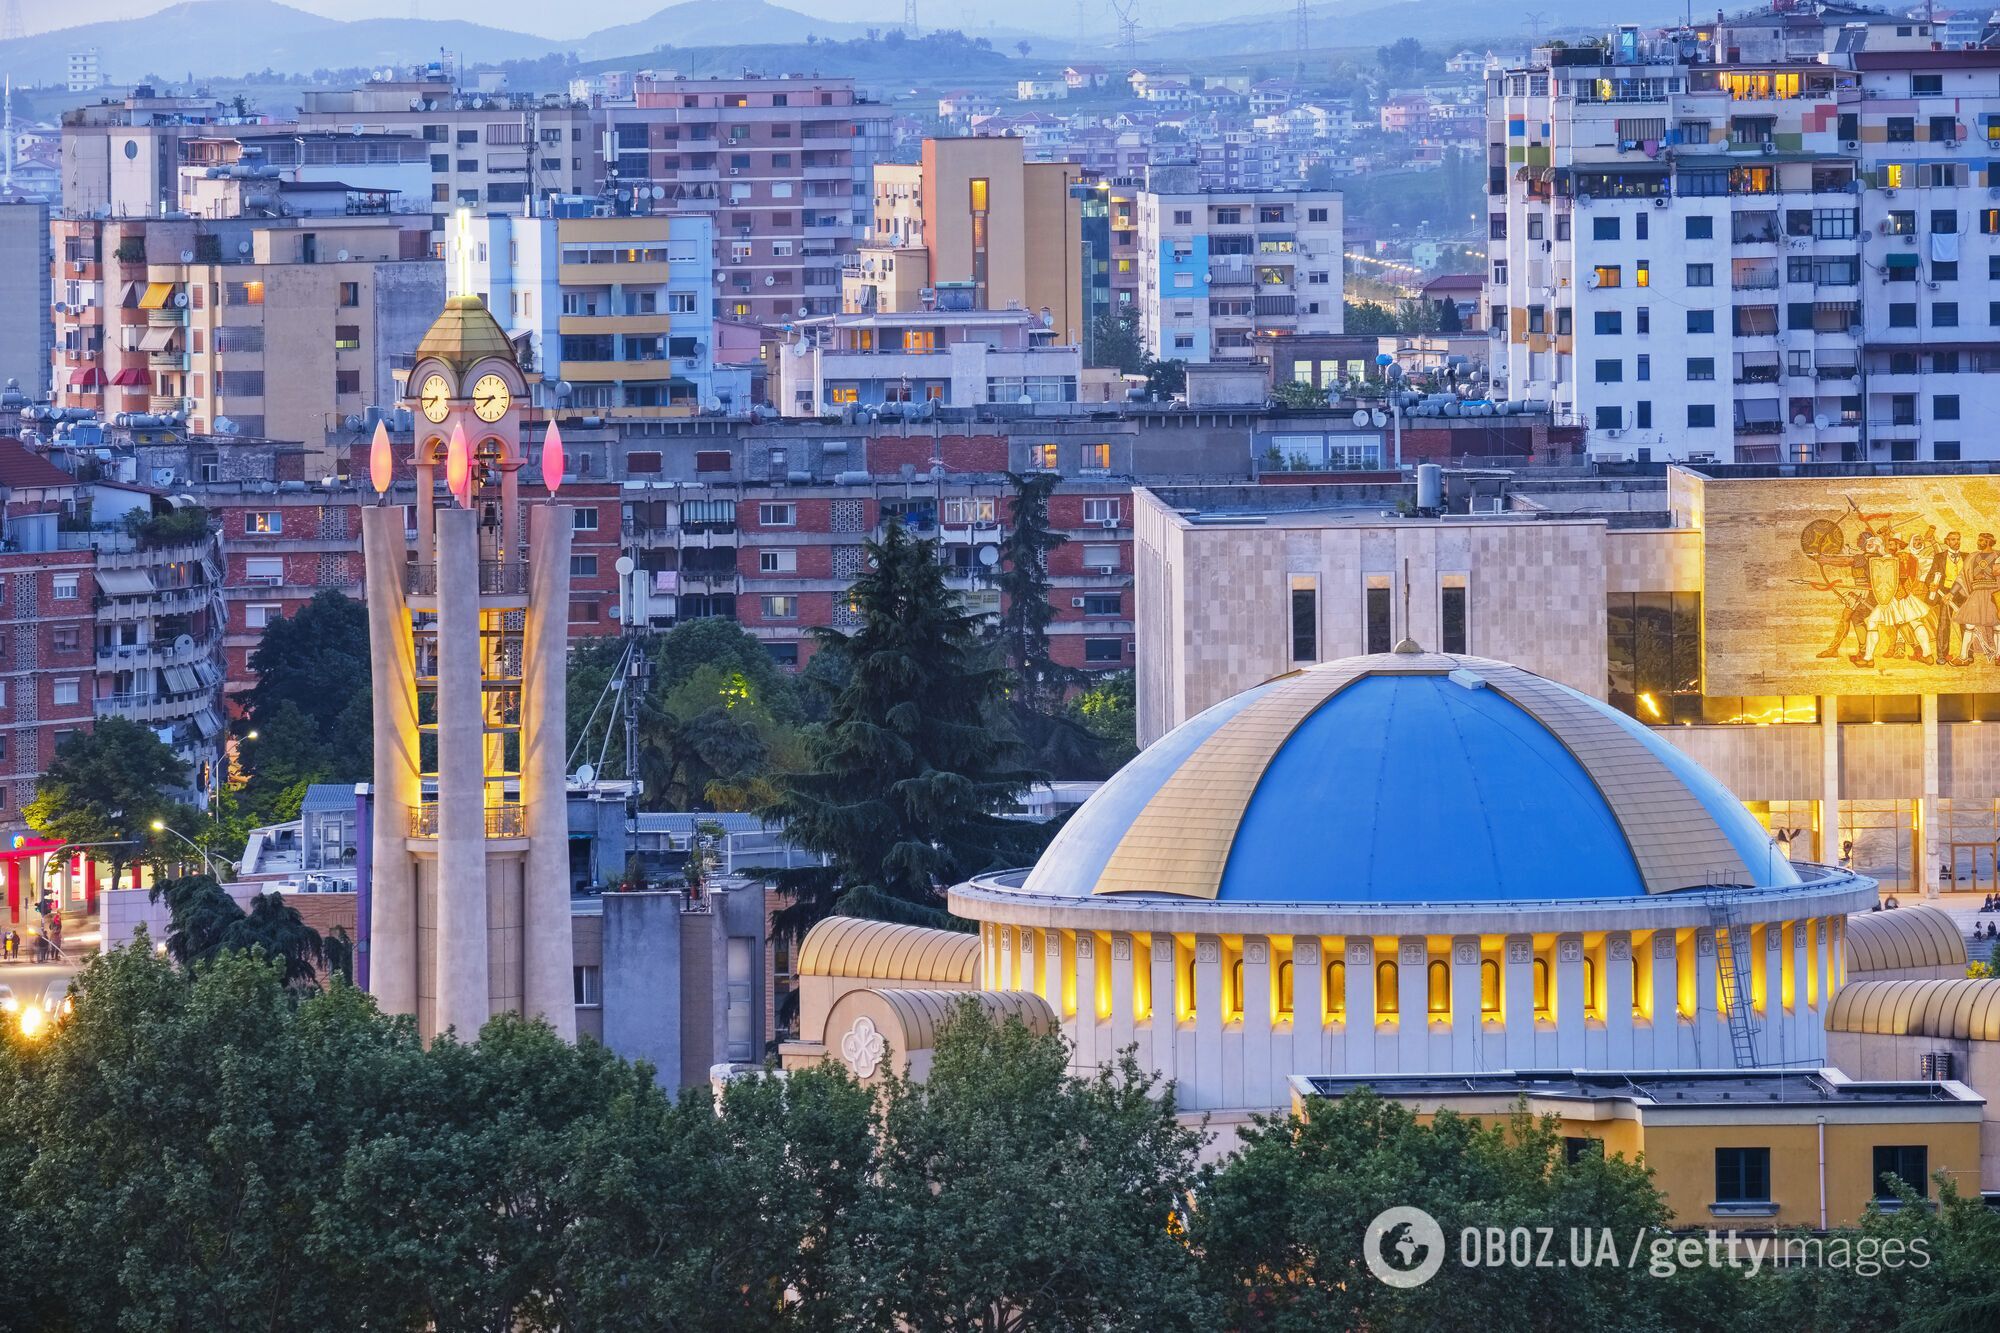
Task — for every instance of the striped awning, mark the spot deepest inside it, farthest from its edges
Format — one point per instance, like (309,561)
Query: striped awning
(156,295)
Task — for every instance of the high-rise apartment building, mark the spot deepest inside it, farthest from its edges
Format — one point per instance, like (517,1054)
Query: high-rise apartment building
(781,164)
(485,150)
(122,159)
(26,335)
(616,313)
(1767,239)
(1218,271)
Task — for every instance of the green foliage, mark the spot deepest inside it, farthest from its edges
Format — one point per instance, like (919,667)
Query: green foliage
(1164,379)
(1115,342)
(310,707)
(108,784)
(1024,589)
(205,923)
(1109,711)
(170,527)
(1299,395)
(913,759)
(1402,59)
(1368,317)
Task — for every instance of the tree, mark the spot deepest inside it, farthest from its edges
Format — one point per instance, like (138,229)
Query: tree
(1400,59)
(1115,342)
(1448,318)
(1299,395)
(311,705)
(1109,711)
(108,785)
(1368,317)
(1279,1222)
(1023,48)
(1024,589)
(1012,1196)
(905,775)
(205,923)
(1164,379)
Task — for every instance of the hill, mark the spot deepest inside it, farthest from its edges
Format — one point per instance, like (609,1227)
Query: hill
(714,23)
(1369,23)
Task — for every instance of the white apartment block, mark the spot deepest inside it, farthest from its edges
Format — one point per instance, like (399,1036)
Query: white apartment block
(1776,238)
(1218,271)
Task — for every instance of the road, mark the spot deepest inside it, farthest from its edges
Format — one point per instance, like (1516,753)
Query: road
(30,980)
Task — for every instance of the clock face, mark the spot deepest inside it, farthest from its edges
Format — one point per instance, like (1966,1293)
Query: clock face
(490,398)
(435,397)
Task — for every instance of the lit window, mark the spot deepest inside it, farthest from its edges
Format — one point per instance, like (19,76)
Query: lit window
(1386,1000)
(1541,988)
(1096,458)
(1438,979)
(1336,988)
(1609,275)
(1489,988)
(263,522)
(1044,456)
(1285,988)
(781,608)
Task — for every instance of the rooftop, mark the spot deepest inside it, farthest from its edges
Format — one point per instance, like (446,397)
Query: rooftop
(1672,1087)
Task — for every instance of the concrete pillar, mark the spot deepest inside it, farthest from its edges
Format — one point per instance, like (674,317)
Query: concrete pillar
(1413,1017)
(1569,1002)
(1052,971)
(389,932)
(1618,1028)
(1360,1006)
(1517,1004)
(1206,1081)
(1308,1008)
(1929,845)
(1083,1022)
(1027,953)
(1257,1015)
(1121,992)
(1827,852)
(90,884)
(13,891)
(1711,1025)
(548,963)
(1164,1022)
(464,999)
(1465,1003)
(1666,1050)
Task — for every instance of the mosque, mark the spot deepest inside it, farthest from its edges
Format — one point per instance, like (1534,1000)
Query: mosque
(1400,867)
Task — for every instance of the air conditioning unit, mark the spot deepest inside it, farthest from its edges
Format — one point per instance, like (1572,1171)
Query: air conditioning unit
(1104,569)
(1850,145)
(1889,193)
(1076,603)
(1659,201)
(736,171)
(1909,240)
(1110,523)
(1937,1065)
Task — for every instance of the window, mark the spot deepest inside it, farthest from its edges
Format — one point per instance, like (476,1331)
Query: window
(1103,604)
(1701,275)
(1437,988)
(65,639)
(1701,321)
(781,608)
(1701,368)
(1642,367)
(1102,652)
(1305,620)
(1542,996)
(584,519)
(1608,322)
(266,570)
(1602,229)
(1101,558)
(1386,999)
(1452,628)
(1903,315)
(1610,371)
(589,981)
(1096,458)
(261,522)
(1336,989)
(1944,315)
(1610,417)
(777,562)
(1701,416)
(1608,275)
(777,515)
(1743,1175)
(1316,215)
(583,566)
(1642,320)
(64,692)
(1043,456)
(63,587)
(1183,217)
(1644,276)
(1489,988)
(1376,613)
(257,615)
(1700,228)
(1944,407)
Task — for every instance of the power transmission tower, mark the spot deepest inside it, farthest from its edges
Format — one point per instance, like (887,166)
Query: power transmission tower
(1128,30)
(1299,43)
(13,29)
(910,17)
(1534,17)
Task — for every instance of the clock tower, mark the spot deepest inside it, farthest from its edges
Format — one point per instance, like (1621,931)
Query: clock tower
(468,605)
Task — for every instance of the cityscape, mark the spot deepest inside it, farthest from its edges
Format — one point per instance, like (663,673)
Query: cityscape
(1084,667)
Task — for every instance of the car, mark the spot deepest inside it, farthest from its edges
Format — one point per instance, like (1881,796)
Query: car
(56,1000)
(8,1003)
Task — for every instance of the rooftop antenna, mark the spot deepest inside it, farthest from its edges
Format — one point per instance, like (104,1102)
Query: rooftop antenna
(1128,30)
(910,18)
(1299,43)
(13,30)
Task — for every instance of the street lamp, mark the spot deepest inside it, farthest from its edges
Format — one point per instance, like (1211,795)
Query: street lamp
(213,863)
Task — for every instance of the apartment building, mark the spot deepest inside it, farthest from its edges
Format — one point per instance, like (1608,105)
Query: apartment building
(986,219)
(1218,271)
(279,171)
(122,159)
(781,164)
(485,150)
(1767,239)
(26,336)
(275,328)
(616,312)
(113,609)
(952,358)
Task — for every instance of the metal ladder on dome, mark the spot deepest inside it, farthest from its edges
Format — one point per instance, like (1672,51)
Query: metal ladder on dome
(1729,983)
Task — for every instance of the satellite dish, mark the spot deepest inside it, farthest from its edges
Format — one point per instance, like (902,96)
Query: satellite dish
(625,564)
(1360,416)
(1378,417)
(659,192)
(586,773)
(243,247)
(356,130)
(1823,421)
(989,556)
(1590,279)
(770,279)
(341,256)
(187,256)
(184,643)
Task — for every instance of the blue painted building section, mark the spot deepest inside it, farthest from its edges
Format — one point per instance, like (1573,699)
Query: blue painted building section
(1194,265)
(1413,789)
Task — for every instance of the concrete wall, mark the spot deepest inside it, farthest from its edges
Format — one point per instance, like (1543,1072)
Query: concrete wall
(1974,1063)
(26,335)
(642,1019)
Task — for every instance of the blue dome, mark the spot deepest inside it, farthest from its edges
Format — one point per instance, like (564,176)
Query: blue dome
(1409,779)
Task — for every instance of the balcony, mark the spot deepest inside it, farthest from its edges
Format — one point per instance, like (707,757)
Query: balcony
(1757,375)
(1771,426)
(502,821)
(497,578)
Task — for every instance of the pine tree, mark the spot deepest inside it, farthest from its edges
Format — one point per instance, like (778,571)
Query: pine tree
(1024,588)
(913,760)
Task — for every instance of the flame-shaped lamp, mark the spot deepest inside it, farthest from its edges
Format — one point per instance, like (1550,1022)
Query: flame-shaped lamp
(381,462)
(552,459)
(458,466)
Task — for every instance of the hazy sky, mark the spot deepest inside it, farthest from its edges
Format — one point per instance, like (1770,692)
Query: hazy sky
(537,16)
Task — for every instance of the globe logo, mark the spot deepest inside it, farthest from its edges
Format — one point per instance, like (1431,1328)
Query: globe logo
(1403,1247)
